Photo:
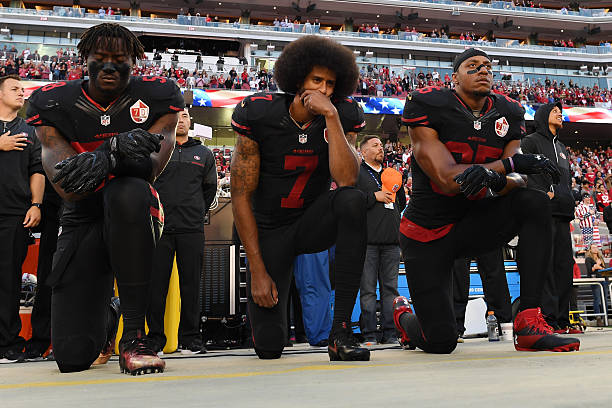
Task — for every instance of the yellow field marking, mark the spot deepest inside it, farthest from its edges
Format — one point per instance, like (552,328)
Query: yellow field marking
(158,378)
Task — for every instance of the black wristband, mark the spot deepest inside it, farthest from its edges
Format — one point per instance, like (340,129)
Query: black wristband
(37,205)
(500,184)
(507,165)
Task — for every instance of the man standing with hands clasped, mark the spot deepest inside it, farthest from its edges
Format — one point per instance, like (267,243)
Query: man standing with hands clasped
(384,206)
(558,285)
(187,188)
(22,185)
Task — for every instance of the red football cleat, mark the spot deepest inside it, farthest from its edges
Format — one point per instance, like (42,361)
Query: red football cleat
(532,333)
(401,306)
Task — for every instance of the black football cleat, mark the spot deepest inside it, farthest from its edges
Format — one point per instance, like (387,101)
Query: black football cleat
(532,333)
(136,357)
(343,346)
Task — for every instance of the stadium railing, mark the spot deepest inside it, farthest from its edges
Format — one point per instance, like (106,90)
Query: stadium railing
(300,28)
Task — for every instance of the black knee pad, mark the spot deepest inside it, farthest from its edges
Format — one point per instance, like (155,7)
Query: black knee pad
(350,204)
(442,348)
(75,353)
(128,198)
(442,339)
(268,355)
(269,340)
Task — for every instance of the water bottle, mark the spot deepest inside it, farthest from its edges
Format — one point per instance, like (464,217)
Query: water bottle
(492,327)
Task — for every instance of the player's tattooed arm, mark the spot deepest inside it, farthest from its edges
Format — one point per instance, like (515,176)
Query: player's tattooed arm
(55,148)
(245,178)
(165,126)
(438,162)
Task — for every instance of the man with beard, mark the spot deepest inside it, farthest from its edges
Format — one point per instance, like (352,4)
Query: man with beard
(468,198)
(101,161)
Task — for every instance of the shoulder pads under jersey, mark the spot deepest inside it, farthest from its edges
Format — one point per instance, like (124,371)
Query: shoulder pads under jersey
(431,96)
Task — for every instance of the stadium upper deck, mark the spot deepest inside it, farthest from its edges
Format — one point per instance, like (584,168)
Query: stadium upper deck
(519,30)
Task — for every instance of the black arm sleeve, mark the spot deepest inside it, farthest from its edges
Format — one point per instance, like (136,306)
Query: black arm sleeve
(400,199)
(351,116)
(209,180)
(240,120)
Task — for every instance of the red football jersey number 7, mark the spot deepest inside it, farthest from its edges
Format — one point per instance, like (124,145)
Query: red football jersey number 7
(309,163)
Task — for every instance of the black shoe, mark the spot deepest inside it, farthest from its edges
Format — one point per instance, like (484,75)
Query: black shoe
(12,356)
(322,343)
(301,338)
(195,347)
(343,346)
(33,355)
(389,340)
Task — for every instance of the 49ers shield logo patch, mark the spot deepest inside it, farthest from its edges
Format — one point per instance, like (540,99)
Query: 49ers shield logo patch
(139,112)
(501,126)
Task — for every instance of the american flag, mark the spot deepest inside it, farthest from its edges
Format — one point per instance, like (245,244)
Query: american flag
(585,216)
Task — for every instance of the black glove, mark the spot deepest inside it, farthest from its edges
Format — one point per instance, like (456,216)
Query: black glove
(83,172)
(532,164)
(476,177)
(134,145)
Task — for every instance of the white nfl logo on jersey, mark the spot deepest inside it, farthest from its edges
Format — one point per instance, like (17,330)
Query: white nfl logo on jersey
(302,138)
(105,120)
(502,126)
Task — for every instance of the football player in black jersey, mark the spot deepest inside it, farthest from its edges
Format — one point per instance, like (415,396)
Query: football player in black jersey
(102,162)
(469,198)
(289,147)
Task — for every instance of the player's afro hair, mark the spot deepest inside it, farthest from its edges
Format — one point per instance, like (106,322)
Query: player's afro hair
(108,36)
(299,57)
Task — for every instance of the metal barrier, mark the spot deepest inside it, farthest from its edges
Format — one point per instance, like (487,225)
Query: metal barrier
(598,282)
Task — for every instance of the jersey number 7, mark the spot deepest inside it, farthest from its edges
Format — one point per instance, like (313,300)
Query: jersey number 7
(309,163)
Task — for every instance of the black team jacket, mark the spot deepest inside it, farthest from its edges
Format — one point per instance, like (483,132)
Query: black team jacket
(187,187)
(544,142)
(383,223)
(16,167)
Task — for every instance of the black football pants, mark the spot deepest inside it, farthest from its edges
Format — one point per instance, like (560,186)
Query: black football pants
(335,217)
(121,243)
(41,312)
(487,226)
(13,251)
(189,250)
(559,281)
(494,285)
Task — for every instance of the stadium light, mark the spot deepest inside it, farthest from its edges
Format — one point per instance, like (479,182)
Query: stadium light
(584,69)
(5,30)
(254,46)
(357,53)
(270,48)
(596,70)
(369,54)
(455,12)
(495,62)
